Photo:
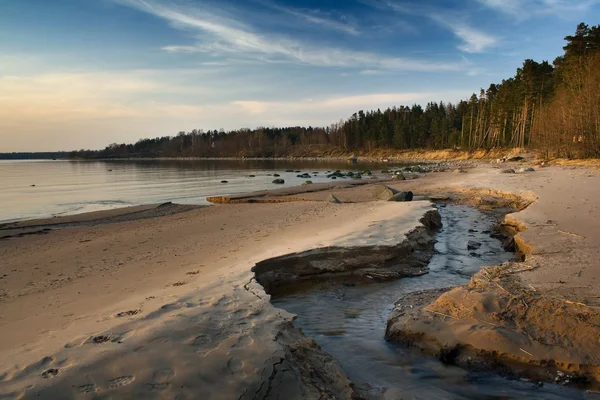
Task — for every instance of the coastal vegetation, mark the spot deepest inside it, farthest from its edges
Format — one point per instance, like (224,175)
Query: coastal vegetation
(553,108)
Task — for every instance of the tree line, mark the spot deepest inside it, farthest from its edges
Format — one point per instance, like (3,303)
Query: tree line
(48,155)
(551,107)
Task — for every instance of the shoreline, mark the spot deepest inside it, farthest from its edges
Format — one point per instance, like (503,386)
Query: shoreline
(196,250)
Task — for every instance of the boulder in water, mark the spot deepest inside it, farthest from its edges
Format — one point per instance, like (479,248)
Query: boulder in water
(276,175)
(473,245)
(399,177)
(307,183)
(279,181)
(224,181)
(402,196)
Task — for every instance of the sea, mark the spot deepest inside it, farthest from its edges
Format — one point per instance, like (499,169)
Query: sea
(45,188)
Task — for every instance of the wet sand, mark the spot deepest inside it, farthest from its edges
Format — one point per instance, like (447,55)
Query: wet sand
(164,307)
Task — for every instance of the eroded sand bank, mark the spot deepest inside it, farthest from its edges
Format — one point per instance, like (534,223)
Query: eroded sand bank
(166,307)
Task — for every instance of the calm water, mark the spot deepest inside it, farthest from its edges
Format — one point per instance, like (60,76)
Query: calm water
(68,187)
(349,323)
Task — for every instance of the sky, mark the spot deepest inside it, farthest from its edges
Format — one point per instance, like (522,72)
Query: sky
(81,74)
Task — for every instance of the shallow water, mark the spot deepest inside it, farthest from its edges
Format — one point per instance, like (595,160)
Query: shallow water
(68,187)
(349,323)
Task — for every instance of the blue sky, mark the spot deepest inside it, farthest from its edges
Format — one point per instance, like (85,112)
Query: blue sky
(86,73)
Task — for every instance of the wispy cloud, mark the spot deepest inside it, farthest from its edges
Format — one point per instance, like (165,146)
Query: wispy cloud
(315,17)
(219,35)
(523,9)
(370,72)
(474,40)
(323,111)
(86,110)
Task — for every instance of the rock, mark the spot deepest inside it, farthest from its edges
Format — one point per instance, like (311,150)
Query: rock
(279,181)
(307,183)
(402,196)
(334,177)
(420,169)
(333,199)
(382,192)
(251,176)
(297,172)
(473,245)
(50,373)
(399,177)
(224,181)
(289,170)
(350,174)
(516,158)
(460,171)
(508,171)
(336,174)
(523,170)
(276,175)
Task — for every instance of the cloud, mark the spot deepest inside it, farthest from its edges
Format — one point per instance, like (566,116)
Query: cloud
(53,111)
(220,36)
(314,17)
(320,111)
(370,72)
(523,9)
(474,40)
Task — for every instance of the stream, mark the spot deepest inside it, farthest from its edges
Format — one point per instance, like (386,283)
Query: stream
(349,323)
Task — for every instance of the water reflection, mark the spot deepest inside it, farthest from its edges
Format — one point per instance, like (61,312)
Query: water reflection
(66,187)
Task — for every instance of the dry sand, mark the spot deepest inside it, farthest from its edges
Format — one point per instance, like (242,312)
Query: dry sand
(196,326)
(165,307)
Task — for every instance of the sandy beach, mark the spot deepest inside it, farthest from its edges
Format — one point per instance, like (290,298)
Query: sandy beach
(160,301)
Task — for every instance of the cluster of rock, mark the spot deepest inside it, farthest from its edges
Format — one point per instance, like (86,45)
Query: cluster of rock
(352,175)
(518,171)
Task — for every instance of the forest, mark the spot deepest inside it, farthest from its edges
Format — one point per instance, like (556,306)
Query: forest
(552,108)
